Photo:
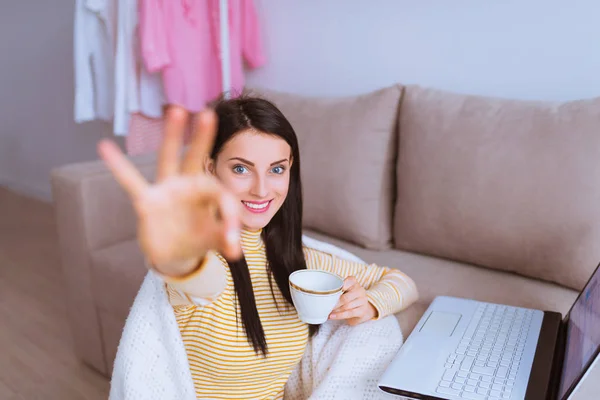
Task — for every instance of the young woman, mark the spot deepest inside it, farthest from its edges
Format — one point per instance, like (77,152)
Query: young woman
(224,230)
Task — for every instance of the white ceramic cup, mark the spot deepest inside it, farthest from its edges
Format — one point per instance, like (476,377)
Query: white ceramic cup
(315,293)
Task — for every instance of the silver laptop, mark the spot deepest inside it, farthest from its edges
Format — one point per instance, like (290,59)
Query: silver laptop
(467,349)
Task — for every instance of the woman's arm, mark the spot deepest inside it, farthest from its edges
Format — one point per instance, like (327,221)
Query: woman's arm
(388,289)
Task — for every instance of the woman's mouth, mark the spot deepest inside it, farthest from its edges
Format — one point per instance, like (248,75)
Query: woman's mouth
(257,207)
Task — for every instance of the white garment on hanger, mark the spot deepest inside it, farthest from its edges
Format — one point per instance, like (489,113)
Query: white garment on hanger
(94,41)
(225,52)
(136,90)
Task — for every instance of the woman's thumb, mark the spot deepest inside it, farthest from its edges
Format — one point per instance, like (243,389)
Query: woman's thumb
(229,211)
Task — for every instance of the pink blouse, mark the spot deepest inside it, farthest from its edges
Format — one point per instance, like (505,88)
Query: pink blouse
(181,38)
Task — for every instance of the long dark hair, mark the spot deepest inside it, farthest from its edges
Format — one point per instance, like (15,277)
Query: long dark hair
(283,234)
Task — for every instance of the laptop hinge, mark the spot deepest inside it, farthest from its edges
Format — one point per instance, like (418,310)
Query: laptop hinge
(557,365)
(539,385)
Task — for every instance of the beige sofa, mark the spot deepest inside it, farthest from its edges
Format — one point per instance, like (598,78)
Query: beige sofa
(486,198)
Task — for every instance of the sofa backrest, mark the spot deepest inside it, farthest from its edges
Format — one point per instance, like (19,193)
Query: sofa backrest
(347,153)
(505,184)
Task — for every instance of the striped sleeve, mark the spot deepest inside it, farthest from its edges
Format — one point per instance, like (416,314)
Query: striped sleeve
(388,290)
(200,287)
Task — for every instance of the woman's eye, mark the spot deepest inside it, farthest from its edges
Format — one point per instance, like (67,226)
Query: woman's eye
(278,170)
(239,169)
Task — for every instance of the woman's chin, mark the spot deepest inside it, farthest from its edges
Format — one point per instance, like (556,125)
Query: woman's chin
(255,222)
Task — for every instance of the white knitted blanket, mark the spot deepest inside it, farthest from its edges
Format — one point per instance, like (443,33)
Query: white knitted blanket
(340,362)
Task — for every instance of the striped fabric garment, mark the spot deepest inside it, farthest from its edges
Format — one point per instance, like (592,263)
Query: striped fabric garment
(223,363)
(145,134)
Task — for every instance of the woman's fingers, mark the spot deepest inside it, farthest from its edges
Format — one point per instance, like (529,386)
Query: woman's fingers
(349,283)
(168,154)
(349,287)
(210,193)
(201,144)
(347,298)
(124,171)
(230,234)
(359,301)
(354,313)
(353,306)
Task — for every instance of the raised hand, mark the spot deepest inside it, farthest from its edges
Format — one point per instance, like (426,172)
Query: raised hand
(186,212)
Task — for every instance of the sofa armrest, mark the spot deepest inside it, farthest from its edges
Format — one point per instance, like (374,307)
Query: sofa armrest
(92,212)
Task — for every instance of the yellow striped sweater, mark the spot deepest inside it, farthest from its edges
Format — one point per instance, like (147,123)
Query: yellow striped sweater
(223,363)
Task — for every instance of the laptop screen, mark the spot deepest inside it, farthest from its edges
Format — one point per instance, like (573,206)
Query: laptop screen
(583,334)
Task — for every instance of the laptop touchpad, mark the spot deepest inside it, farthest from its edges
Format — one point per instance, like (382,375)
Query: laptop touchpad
(441,323)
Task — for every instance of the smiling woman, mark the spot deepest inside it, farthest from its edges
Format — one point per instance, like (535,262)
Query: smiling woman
(243,175)
(255,168)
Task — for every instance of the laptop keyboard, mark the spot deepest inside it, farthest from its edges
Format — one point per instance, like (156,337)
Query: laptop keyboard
(484,366)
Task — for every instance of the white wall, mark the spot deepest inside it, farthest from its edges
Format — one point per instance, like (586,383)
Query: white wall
(530,49)
(37,131)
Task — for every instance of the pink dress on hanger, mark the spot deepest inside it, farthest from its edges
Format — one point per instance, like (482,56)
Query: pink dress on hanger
(181,39)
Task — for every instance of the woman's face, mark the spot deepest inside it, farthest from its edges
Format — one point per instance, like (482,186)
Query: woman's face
(255,167)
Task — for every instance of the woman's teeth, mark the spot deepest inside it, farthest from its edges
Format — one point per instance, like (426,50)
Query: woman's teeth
(257,206)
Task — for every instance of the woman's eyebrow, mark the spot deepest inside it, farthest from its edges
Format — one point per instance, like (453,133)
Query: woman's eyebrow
(252,164)
(242,160)
(280,161)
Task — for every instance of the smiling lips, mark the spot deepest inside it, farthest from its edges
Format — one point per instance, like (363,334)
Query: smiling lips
(257,207)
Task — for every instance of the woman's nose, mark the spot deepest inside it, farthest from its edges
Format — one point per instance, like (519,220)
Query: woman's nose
(259,188)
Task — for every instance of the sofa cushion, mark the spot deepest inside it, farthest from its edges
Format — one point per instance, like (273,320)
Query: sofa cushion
(347,151)
(436,276)
(118,272)
(506,184)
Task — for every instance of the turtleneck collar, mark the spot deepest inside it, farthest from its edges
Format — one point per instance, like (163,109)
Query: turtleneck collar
(251,239)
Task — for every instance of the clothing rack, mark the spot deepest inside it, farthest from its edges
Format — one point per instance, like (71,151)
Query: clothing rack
(125,73)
